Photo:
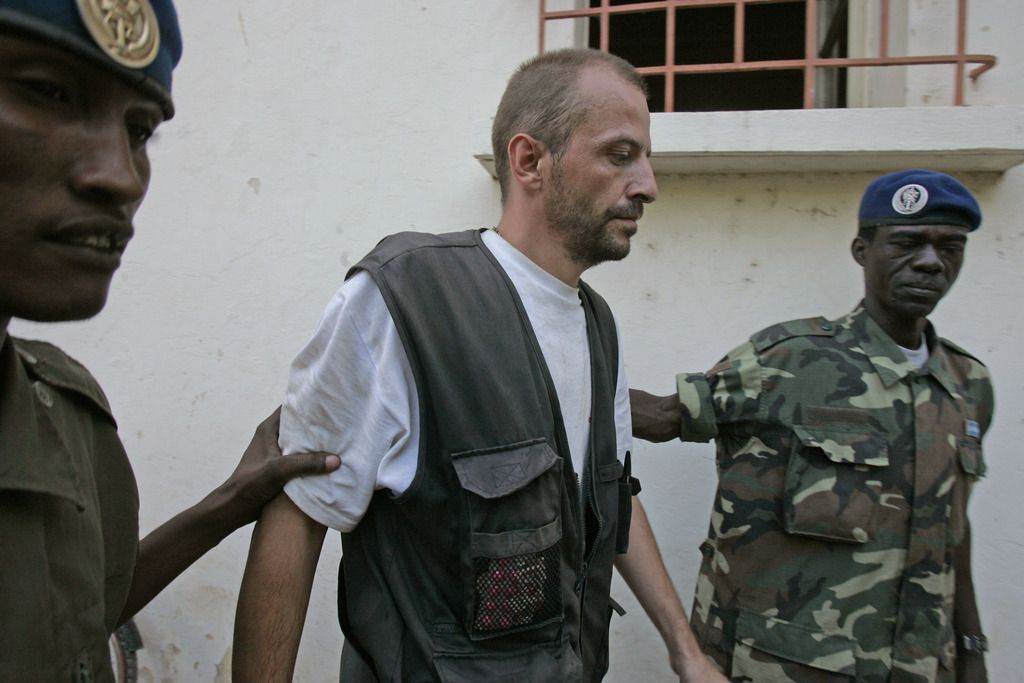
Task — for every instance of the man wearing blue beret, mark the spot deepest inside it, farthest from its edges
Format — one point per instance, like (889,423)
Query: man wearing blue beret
(839,546)
(83,85)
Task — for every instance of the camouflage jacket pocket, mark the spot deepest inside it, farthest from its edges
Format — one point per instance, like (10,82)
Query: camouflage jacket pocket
(971,460)
(833,483)
(972,468)
(768,649)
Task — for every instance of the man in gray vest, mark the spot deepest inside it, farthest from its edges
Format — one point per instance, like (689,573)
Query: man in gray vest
(473,386)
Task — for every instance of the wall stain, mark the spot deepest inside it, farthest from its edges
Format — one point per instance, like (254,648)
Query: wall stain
(814,211)
(168,656)
(241,25)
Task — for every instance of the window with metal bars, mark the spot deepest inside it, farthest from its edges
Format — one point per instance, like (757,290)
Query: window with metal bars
(717,55)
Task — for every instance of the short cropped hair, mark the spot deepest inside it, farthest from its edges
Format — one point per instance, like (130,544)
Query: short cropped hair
(867,232)
(543,101)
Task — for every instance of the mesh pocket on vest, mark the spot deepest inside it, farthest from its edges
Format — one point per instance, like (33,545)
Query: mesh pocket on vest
(513,593)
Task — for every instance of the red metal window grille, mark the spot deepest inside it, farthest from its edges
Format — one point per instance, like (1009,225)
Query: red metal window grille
(601,14)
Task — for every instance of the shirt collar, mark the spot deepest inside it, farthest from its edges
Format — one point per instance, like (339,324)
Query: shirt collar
(890,362)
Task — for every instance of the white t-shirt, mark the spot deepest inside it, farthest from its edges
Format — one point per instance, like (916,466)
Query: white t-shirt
(351,390)
(918,356)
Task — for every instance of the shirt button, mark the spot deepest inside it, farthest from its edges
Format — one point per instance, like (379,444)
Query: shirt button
(43,394)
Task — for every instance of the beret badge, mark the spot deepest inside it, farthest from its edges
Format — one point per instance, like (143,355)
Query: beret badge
(126,30)
(909,199)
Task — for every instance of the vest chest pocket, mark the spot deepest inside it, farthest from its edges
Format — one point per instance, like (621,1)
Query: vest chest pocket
(833,483)
(513,496)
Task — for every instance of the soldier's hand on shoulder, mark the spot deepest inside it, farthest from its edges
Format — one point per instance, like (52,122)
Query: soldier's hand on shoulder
(263,470)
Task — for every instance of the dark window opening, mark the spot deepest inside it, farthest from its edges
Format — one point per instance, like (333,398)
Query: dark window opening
(702,55)
(706,36)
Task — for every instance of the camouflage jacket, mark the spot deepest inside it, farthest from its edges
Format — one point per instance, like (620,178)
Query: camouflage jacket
(844,473)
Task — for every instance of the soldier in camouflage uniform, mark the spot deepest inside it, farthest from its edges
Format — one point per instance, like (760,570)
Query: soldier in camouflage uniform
(839,545)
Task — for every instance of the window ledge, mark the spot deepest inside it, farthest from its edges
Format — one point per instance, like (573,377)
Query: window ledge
(984,138)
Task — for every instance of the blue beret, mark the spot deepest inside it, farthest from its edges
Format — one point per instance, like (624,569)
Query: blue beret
(918,196)
(144,59)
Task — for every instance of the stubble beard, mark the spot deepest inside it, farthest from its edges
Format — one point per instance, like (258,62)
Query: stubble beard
(588,234)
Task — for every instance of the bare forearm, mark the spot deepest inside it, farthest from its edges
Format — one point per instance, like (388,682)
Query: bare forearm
(175,545)
(274,595)
(644,572)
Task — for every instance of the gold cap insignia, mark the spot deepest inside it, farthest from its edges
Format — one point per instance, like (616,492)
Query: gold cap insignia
(126,30)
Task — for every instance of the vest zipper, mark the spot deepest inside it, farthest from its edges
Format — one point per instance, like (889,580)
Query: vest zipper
(581,521)
(588,496)
(584,562)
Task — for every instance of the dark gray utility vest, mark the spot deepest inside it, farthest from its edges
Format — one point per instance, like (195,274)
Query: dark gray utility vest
(489,568)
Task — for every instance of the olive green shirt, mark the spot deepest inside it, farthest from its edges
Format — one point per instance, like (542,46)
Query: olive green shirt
(68,518)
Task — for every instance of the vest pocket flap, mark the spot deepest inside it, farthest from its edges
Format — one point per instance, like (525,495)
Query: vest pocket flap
(797,643)
(497,472)
(542,664)
(841,446)
(609,472)
(520,542)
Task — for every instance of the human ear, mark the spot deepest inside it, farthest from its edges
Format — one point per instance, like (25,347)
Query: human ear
(525,158)
(857,249)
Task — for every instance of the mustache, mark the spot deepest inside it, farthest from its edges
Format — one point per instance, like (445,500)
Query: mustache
(633,211)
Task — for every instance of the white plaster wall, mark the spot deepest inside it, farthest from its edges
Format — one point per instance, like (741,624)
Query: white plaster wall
(995,27)
(307,132)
